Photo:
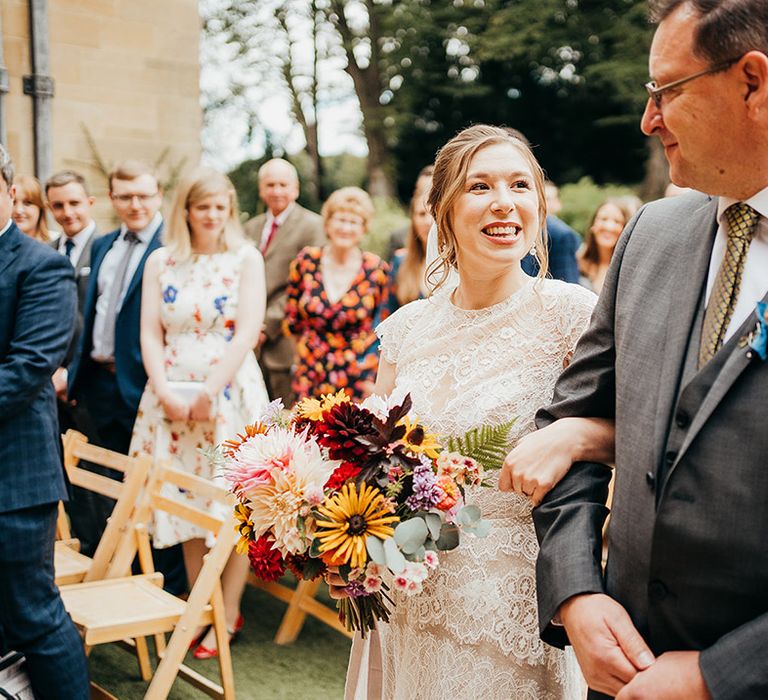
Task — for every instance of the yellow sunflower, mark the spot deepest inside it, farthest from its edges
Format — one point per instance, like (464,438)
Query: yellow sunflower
(347,517)
(244,526)
(416,439)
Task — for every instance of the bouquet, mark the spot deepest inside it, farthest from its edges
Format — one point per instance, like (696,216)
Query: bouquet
(362,487)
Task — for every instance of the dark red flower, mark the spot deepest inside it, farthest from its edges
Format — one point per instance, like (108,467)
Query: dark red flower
(345,471)
(346,430)
(267,563)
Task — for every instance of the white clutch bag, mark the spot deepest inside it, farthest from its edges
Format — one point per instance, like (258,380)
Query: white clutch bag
(189,391)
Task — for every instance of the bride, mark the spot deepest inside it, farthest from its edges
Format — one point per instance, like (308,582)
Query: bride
(478,353)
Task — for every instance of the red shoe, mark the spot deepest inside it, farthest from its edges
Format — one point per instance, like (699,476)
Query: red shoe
(204,652)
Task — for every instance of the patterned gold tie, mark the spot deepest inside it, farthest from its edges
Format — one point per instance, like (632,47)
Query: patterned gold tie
(741,220)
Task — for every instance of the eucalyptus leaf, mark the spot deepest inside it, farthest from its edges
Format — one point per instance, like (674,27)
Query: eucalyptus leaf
(410,535)
(468,515)
(433,523)
(395,558)
(375,549)
(482,528)
(449,538)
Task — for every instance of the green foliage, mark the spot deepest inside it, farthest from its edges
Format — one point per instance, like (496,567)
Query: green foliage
(389,217)
(486,444)
(581,199)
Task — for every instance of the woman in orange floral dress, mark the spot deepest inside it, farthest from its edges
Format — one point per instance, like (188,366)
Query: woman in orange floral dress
(334,293)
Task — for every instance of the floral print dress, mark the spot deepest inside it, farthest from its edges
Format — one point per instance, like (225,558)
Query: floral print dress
(335,342)
(198,310)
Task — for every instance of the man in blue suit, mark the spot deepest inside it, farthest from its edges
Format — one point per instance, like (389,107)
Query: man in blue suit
(107,378)
(37,316)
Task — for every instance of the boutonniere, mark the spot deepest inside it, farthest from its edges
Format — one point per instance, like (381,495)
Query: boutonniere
(758,338)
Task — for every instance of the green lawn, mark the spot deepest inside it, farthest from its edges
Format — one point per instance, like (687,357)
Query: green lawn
(312,667)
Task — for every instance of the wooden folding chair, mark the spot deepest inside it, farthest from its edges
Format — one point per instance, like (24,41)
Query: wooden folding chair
(137,606)
(69,564)
(301,602)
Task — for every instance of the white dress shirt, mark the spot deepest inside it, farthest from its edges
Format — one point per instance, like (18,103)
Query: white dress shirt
(6,227)
(107,271)
(754,281)
(280,218)
(79,239)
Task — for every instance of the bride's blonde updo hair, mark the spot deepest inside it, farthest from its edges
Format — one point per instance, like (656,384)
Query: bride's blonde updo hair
(448,182)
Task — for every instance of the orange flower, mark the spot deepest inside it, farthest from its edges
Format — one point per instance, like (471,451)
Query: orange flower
(232,446)
(452,493)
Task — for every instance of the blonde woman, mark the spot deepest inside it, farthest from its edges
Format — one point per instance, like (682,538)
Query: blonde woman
(29,208)
(203,300)
(485,347)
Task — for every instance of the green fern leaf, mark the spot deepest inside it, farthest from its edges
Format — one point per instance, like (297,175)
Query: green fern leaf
(486,444)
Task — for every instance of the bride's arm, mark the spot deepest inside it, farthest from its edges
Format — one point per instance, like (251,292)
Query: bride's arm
(540,459)
(385,378)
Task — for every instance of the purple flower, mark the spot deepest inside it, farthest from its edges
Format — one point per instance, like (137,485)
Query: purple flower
(169,294)
(355,589)
(426,493)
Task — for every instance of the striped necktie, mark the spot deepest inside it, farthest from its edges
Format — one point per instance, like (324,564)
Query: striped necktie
(741,220)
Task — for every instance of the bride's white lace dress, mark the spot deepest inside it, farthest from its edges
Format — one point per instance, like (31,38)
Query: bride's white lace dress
(473,632)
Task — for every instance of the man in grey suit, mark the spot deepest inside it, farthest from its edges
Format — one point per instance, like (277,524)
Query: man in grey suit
(70,204)
(674,356)
(280,233)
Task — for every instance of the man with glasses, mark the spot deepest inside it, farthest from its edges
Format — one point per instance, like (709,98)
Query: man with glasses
(676,354)
(107,377)
(280,233)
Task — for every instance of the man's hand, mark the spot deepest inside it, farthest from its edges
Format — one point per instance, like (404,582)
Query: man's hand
(673,676)
(609,648)
(59,380)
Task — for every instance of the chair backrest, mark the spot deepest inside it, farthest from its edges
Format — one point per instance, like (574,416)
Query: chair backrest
(154,499)
(125,492)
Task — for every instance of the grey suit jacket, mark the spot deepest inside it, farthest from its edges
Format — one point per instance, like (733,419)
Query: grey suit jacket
(301,228)
(688,537)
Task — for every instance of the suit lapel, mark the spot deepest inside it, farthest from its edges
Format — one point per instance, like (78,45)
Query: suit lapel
(738,360)
(283,232)
(154,244)
(85,256)
(683,310)
(98,258)
(9,242)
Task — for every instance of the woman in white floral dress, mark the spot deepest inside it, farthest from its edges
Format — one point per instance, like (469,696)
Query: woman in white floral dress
(480,353)
(203,304)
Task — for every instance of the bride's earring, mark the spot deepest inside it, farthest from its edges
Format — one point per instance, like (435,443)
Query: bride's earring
(533,250)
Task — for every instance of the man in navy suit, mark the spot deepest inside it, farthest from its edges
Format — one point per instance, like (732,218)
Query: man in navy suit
(107,377)
(37,316)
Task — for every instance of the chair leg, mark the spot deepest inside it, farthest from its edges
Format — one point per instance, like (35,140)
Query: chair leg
(160,644)
(222,643)
(142,656)
(294,617)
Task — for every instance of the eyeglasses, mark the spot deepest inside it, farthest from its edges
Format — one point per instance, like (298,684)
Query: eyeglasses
(128,198)
(657,92)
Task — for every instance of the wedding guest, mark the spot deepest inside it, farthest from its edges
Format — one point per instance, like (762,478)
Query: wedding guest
(562,243)
(605,227)
(107,376)
(676,355)
(399,237)
(29,208)
(406,276)
(280,233)
(35,328)
(71,205)
(333,296)
(483,348)
(202,307)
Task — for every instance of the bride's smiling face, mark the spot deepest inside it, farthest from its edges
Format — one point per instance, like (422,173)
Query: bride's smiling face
(495,218)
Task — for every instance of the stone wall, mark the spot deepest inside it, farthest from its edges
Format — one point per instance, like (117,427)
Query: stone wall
(127,71)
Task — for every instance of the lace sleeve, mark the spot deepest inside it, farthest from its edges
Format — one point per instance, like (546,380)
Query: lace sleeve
(393,331)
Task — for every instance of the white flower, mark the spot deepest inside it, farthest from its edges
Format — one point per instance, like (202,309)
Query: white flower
(415,572)
(380,406)
(372,584)
(430,559)
(375,570)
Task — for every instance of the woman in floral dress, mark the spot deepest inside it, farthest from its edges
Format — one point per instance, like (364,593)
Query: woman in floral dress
(334,294)
(203,303)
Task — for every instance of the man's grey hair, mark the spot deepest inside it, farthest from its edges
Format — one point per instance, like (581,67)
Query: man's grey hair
(6,166)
